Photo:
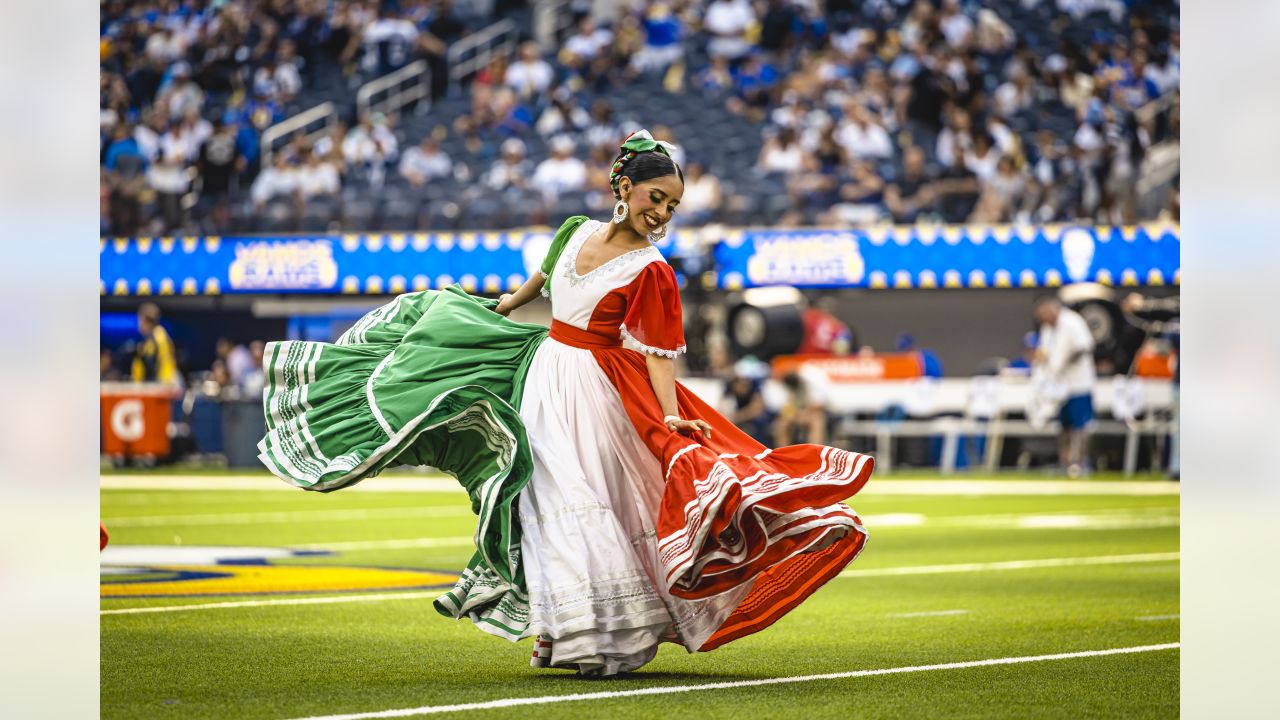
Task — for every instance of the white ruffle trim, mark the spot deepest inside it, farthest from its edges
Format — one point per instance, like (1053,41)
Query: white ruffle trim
(629,342)
(545,292)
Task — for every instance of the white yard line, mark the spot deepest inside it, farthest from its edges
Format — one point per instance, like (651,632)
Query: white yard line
(443,483)
(871,572)
(928,613)
(416,595)
(1013,565)
(674,689)
(289,516)
(1155,618)
(409,543)
(412,483)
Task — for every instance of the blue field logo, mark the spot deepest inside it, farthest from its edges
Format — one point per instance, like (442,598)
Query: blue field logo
(172,571)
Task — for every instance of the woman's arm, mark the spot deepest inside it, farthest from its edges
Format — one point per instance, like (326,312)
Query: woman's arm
(662,376)
(528,291)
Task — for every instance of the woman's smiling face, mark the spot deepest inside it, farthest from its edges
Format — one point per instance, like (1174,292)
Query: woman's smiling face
(652,202)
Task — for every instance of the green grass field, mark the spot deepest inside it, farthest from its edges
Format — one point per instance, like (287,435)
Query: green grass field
(954,572)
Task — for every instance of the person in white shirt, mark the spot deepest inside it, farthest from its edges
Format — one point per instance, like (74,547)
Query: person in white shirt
(530,75)
(863,138)
(583,46)
(425,162)
(317,178)
(727,21)
(1066,359)
(561,173)
(277,180)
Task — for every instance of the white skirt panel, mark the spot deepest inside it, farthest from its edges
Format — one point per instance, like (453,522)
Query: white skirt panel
(588,516)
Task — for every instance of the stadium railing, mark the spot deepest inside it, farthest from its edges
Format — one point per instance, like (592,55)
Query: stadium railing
(393,91)
(313,123)
(476,51)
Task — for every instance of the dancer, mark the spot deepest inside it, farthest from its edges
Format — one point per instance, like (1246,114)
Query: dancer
(616,510)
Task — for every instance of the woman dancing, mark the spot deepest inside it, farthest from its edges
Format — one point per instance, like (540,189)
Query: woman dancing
(616,510)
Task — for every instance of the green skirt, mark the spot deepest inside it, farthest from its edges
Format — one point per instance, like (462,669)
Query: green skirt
(432,378)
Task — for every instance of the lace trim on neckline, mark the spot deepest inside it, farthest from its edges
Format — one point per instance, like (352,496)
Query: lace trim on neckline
(571,260)
(629,341)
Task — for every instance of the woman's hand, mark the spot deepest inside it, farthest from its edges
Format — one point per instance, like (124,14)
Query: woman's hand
(506,303)
(688,427)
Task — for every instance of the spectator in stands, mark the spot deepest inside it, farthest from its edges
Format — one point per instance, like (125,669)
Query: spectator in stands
(956,138)
(562,115)
(982,158)
(425,162)
(154,359)
(530,76)
(1066,359)
(125,150)
(727,23)
(167,177)
(584,53)
(1004,195)
(279,180)
(604,128)
(561,173)
(954,25)
(151,131)
(1017,94)
(715,78)
(387,42)
(754,82)
(781,154)
(701,202)
(317,178)
(662,41)
(217,166)
(369,147)
(439,29)
(330,145)
(862,137)
(184,138)
(912,192)
(181,94)
(511,171)
(861,197)
(955,192)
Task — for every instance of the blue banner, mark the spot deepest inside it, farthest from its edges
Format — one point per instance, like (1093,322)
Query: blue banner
(950,257)
(492,262)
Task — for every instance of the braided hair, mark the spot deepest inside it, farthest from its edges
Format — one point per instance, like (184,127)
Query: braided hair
(642,158)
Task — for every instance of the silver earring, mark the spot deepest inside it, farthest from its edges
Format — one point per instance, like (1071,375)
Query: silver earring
(658,235)
(620,211)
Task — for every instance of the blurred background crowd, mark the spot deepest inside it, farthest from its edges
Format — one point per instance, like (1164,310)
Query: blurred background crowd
(786,112)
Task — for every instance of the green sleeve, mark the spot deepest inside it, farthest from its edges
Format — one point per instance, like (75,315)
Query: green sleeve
(557,246)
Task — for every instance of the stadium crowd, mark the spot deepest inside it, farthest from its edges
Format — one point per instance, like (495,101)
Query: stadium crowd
(857,112)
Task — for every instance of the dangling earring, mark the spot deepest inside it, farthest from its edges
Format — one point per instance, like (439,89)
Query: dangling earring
(658,235)
(620,212)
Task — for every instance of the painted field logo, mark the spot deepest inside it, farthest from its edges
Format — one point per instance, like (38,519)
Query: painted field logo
(171,571)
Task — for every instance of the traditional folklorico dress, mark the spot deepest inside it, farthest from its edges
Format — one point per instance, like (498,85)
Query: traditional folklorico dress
(599,530)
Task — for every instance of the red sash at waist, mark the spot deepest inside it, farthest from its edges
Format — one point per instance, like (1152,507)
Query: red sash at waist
(575,337)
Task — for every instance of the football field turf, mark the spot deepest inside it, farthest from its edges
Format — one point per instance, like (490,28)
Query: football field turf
(229,597)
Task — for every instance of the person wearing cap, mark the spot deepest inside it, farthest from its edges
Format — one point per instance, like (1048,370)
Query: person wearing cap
(618,510)
(1066,359)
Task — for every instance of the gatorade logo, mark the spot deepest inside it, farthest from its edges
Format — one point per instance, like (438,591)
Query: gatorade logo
(126,420)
